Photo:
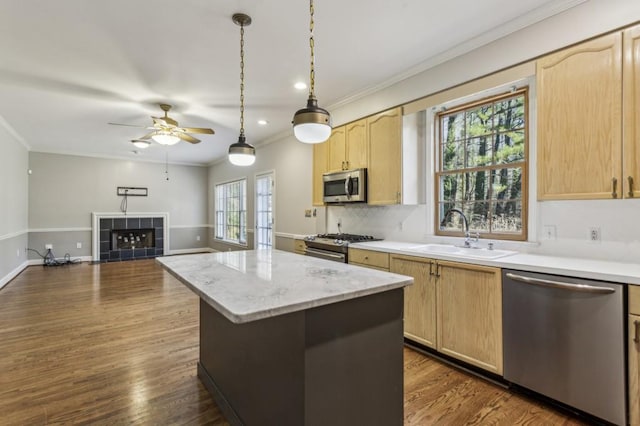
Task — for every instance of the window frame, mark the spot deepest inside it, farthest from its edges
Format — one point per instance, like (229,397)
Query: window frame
(242,225)
(437,172)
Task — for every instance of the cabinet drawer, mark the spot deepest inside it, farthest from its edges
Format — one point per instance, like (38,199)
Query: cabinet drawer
(369,258)
(634,299)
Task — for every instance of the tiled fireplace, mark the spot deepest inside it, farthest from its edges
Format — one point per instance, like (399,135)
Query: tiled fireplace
(134,236)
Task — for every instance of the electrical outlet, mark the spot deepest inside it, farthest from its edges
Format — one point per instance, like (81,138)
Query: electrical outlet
(594,234)
(307,213)
(79,245)
(550,232)
(48,246)
(197,237)
(18,253)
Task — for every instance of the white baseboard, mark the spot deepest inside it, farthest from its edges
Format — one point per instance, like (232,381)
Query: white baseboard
(192,250)
(11,275)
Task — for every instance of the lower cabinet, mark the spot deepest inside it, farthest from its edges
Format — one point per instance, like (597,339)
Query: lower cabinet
(299,246)
(455,308)
(419,298)
(634,355)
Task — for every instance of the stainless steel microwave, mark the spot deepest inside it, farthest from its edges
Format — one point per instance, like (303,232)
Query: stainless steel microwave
(348,186)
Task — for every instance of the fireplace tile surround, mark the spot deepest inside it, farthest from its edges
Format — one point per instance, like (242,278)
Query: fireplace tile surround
(104,224)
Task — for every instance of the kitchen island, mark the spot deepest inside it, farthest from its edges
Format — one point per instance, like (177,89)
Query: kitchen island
(287,339)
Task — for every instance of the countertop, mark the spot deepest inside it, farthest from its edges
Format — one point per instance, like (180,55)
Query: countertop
(618,272)
(251,285)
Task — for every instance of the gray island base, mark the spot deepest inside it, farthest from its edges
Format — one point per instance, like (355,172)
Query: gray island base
(317,342)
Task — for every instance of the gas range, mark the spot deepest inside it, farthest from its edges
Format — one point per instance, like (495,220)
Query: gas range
(333,246)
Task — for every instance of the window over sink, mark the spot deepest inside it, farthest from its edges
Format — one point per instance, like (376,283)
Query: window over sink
(481,166)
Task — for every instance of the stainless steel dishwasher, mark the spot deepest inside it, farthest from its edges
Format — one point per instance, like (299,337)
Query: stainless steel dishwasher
(564,338)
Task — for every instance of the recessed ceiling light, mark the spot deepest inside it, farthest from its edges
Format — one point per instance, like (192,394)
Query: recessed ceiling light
(300,85)
(263,122)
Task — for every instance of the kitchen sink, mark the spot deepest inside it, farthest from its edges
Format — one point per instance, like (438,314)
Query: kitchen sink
(463,252)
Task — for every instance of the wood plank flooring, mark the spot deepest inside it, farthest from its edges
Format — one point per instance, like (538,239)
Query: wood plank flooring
(117,343)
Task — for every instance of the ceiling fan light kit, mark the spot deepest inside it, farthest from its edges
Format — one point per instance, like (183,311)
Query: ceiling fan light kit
(165,138)
(312,124)
(139,143)
(241,153)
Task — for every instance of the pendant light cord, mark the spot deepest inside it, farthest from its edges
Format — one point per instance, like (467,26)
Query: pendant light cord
(312,74)
(242,79)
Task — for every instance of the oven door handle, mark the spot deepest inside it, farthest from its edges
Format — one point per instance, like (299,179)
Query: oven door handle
(583,288)
(324,253)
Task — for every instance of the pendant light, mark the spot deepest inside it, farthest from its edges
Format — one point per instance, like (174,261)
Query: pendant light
(312,124)
(241,153)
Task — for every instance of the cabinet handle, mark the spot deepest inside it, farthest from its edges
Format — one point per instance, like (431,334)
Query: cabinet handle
(614,182)
(438,270)
(630,193)
(398,197)
(366,258)
(430,268)
(636,339)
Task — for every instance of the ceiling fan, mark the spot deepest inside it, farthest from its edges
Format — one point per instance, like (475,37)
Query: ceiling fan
(165,130)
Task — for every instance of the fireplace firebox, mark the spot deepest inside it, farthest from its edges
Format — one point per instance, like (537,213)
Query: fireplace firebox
(132,238)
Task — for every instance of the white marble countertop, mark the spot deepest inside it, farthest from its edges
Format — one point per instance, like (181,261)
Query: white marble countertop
(626,273)
(251,285)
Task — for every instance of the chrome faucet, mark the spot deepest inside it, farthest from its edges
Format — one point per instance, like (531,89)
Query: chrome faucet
(465,223)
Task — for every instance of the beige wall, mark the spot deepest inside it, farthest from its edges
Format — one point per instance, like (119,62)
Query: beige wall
(65,190)
(14,188)
(291,161)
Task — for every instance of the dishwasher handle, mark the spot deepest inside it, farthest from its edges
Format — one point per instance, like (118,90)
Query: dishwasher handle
(583,288)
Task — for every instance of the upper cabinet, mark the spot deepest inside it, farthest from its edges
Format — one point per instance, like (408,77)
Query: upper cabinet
(588,134)
(320,166)
(374,143)
(348,147)
(385,157)
(631,111)
(579,121)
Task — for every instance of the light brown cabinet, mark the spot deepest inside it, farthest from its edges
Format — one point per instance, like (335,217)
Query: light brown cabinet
(385,157)
(369,258)
(455,308)
(320,166)
(634,355)
(631,112)
(419,298)
(587,136)
(299,246)
(470,314)
(348,147)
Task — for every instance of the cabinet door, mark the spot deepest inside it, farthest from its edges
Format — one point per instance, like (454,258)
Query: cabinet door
(385,157)
(470,314)
(631,96)
(634,372)
(579,95)
(419,298)
(337,149)
(357,145)
(320,162)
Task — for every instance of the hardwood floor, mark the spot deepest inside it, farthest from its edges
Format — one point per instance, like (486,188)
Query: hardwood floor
(117,343)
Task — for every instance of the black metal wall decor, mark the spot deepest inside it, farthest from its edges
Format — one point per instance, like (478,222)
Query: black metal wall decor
(133,191)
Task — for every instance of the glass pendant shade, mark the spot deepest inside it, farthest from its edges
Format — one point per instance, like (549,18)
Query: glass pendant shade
(241,153)
(141,144)
(312,124)
(165,138)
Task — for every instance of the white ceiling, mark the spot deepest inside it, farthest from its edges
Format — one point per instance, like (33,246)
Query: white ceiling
(68,67)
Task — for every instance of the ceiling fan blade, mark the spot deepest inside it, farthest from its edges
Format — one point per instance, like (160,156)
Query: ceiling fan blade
(198,130)
(187,138)
(160,122)
(129,125)
(147,136)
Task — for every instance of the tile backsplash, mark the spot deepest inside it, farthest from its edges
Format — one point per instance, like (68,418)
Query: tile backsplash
(617,220)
